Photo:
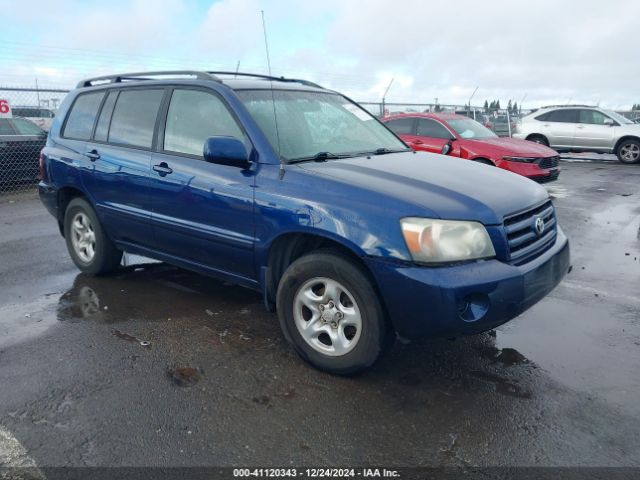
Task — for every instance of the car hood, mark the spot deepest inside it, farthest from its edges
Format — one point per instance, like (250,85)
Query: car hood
(436,186)
(512,146)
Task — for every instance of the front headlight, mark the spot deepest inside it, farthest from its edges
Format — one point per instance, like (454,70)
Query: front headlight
(437,241)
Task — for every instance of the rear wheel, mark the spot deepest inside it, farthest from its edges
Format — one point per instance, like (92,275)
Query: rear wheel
(629,151)
(331,313)
(90,249)
(538,139)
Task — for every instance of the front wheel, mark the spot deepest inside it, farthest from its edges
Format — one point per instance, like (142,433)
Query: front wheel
(629,151)
(538,139)
(331,313)
(90,248)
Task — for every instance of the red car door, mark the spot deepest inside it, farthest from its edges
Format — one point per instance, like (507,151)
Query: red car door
(431,136)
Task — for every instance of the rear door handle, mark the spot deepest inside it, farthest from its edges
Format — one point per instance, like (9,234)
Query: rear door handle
(93,155)
(163,169)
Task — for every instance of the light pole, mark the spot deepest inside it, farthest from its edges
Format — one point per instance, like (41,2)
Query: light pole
(384,95)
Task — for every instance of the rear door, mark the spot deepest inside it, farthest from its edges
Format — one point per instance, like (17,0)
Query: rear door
(202,212)
(559,126)
(432,135)
(591,131)
(120,153)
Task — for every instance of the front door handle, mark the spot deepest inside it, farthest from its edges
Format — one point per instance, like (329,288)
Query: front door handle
(93,155)
(418,142)
(163,169)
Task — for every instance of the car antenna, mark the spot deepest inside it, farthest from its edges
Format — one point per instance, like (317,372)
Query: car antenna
(273,97)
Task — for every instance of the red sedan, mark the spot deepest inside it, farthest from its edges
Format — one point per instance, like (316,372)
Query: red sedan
(463,137)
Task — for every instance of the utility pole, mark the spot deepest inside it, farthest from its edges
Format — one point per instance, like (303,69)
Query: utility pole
(237,68)
(37,91)
(384,95)
(471,97)
(266,44)
(522,100)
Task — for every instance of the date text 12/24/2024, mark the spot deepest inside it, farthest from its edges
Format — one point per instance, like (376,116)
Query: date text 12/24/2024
(316,472)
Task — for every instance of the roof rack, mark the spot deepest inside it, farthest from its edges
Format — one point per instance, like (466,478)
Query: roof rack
(200,75)
(569,105)
(269,77)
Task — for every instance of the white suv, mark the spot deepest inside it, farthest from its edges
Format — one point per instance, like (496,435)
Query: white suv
(584,129)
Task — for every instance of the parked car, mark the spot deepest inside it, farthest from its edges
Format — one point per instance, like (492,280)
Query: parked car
(42,117)
(466,138)
(581,128)
(20,145)
(295,191)
(502,125)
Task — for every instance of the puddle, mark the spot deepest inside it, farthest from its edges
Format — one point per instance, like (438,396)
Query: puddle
(588,346)
(503,385)
(185,376)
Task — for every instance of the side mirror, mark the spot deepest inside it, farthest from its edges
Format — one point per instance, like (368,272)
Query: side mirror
(446,148)
(609,122)
(226,151)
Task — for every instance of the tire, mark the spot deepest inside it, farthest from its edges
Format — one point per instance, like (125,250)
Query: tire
(89,247)
(334,298)
(538,139)
(484,161)
(629,151)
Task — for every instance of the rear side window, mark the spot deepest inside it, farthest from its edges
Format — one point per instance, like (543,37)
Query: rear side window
(563,116)
(401,126)
(5,127)
(82,116)
(134,117)
(193,117)
(102,129)
(543,117)
(431,128)
(25,127)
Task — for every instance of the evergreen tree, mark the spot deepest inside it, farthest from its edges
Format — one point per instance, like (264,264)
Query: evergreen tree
(486,107)
(497,104)
(515,108)
(509,107)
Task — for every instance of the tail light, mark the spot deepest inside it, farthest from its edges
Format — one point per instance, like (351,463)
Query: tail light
(41,159)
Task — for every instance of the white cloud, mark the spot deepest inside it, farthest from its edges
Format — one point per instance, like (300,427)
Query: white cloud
(549,50)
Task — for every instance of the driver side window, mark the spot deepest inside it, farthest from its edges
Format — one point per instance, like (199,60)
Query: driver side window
(193,117)
(592,117)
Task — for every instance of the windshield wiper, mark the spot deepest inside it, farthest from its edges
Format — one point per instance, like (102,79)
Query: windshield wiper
(384,151)
(318,157)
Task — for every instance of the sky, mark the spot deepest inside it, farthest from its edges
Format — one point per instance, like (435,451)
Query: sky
(534,53)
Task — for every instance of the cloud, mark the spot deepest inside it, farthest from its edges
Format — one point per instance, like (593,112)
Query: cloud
(550,51)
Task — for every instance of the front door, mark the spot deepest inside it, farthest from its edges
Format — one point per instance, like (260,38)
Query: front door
(202,213)
(592,132)
(432,135)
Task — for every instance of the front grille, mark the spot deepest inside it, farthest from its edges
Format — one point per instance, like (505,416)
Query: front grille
(549,162)
(525,243)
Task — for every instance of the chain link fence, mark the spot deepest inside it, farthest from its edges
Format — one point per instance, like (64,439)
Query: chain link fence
(26,115)
(25,118)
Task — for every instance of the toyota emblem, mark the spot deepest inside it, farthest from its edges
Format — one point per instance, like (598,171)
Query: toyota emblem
(539,225)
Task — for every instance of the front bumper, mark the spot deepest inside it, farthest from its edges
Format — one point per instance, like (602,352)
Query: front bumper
(468,298)
(532,170)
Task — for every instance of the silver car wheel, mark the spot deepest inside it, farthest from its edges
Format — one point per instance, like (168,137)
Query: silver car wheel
(83,238)
(630,152)
(327,316)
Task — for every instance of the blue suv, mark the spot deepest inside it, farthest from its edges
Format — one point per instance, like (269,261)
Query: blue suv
(293,190)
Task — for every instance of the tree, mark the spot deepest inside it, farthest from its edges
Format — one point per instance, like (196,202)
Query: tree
(515,108)
(486,107)
(509,107)
(497,104)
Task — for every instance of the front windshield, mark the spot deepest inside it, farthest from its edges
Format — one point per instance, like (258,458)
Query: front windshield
(470,129)
(312,123)
(618,118)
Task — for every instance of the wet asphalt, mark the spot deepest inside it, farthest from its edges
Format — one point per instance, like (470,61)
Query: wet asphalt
(160,366)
